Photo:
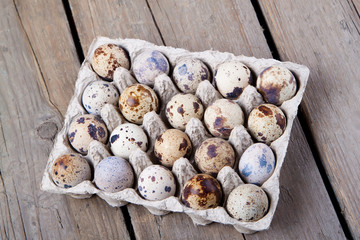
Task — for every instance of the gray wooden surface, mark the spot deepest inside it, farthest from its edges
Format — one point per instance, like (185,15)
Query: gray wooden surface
(39,61)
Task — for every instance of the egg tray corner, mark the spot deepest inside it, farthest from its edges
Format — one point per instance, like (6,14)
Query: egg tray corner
(154,124)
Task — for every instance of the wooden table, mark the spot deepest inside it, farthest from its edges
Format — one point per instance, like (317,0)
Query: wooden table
(42,44)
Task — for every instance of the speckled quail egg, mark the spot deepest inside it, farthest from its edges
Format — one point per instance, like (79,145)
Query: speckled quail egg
(113,174)
(188,73)
(107,58)
(247,203)
(172,145)
(84,129)
(181,108)
(126,138)
(137,100)
(202,192)
(148,65)
(231,78)
(214,154)
(156,182)
(69,170)
(266,123)
(97,94)
(257,164)
(222,116)
(277,84)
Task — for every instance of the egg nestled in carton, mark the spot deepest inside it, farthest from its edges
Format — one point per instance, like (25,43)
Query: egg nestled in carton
(146,94)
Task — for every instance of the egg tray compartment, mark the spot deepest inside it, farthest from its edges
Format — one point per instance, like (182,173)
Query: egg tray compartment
(154,124)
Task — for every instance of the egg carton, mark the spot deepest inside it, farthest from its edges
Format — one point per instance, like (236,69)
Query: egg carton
(154,124)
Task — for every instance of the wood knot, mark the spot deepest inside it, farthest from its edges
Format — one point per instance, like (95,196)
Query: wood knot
(47,130)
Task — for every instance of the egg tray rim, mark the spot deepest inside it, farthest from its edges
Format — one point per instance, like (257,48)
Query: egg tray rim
(244,227)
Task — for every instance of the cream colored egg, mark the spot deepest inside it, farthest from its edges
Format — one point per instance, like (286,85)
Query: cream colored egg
(137,100)
(214,154)
(266,123)
(222,116)
(188,74)
(181,108)
(247,203)
(126,138)
(202,192)
(231,78)
(277,84)
(84,129)
(156,182)
(69,170)
(172,145)
(107,58)
(97,94)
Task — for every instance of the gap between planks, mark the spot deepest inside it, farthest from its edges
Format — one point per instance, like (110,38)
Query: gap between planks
(304,125)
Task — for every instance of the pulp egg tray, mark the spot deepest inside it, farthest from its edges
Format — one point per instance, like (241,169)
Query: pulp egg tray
(155,123)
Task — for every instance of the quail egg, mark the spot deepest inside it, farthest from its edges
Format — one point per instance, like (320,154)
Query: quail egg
(126,138)
(69,170)
(156,182)
(247,203)
(214,154)
(84,129)
(188,73)
(277,84)
(97,94)
(266,123)
(107,58)
(222,116)
(137,100)
(113,174)
(257,164)
(148,65)
(181,108)
(202,192)
(172,145)
(231,78)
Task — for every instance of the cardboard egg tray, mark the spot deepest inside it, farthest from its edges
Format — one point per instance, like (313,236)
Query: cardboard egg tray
(154,124)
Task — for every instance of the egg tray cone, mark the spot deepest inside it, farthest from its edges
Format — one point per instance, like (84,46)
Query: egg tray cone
(154,124)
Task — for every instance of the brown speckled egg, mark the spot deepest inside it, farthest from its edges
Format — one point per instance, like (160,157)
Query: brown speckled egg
(188,74)
(266,123)
(84,129)
(231,78)
(107,58)
(214,154)
(247,203)
(156,182)
(181,108)
(113,174)
(222,116)
(137,100)
(172,145)
(69,170)
(277,84)
(202,192)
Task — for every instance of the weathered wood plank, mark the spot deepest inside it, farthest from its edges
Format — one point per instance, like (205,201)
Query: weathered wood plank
(113,19)
(324,35)
(30,85)
(176,23)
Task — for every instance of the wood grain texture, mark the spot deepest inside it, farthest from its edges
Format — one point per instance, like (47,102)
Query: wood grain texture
(324,35)
(30,83)
(113,19)
(47,29)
